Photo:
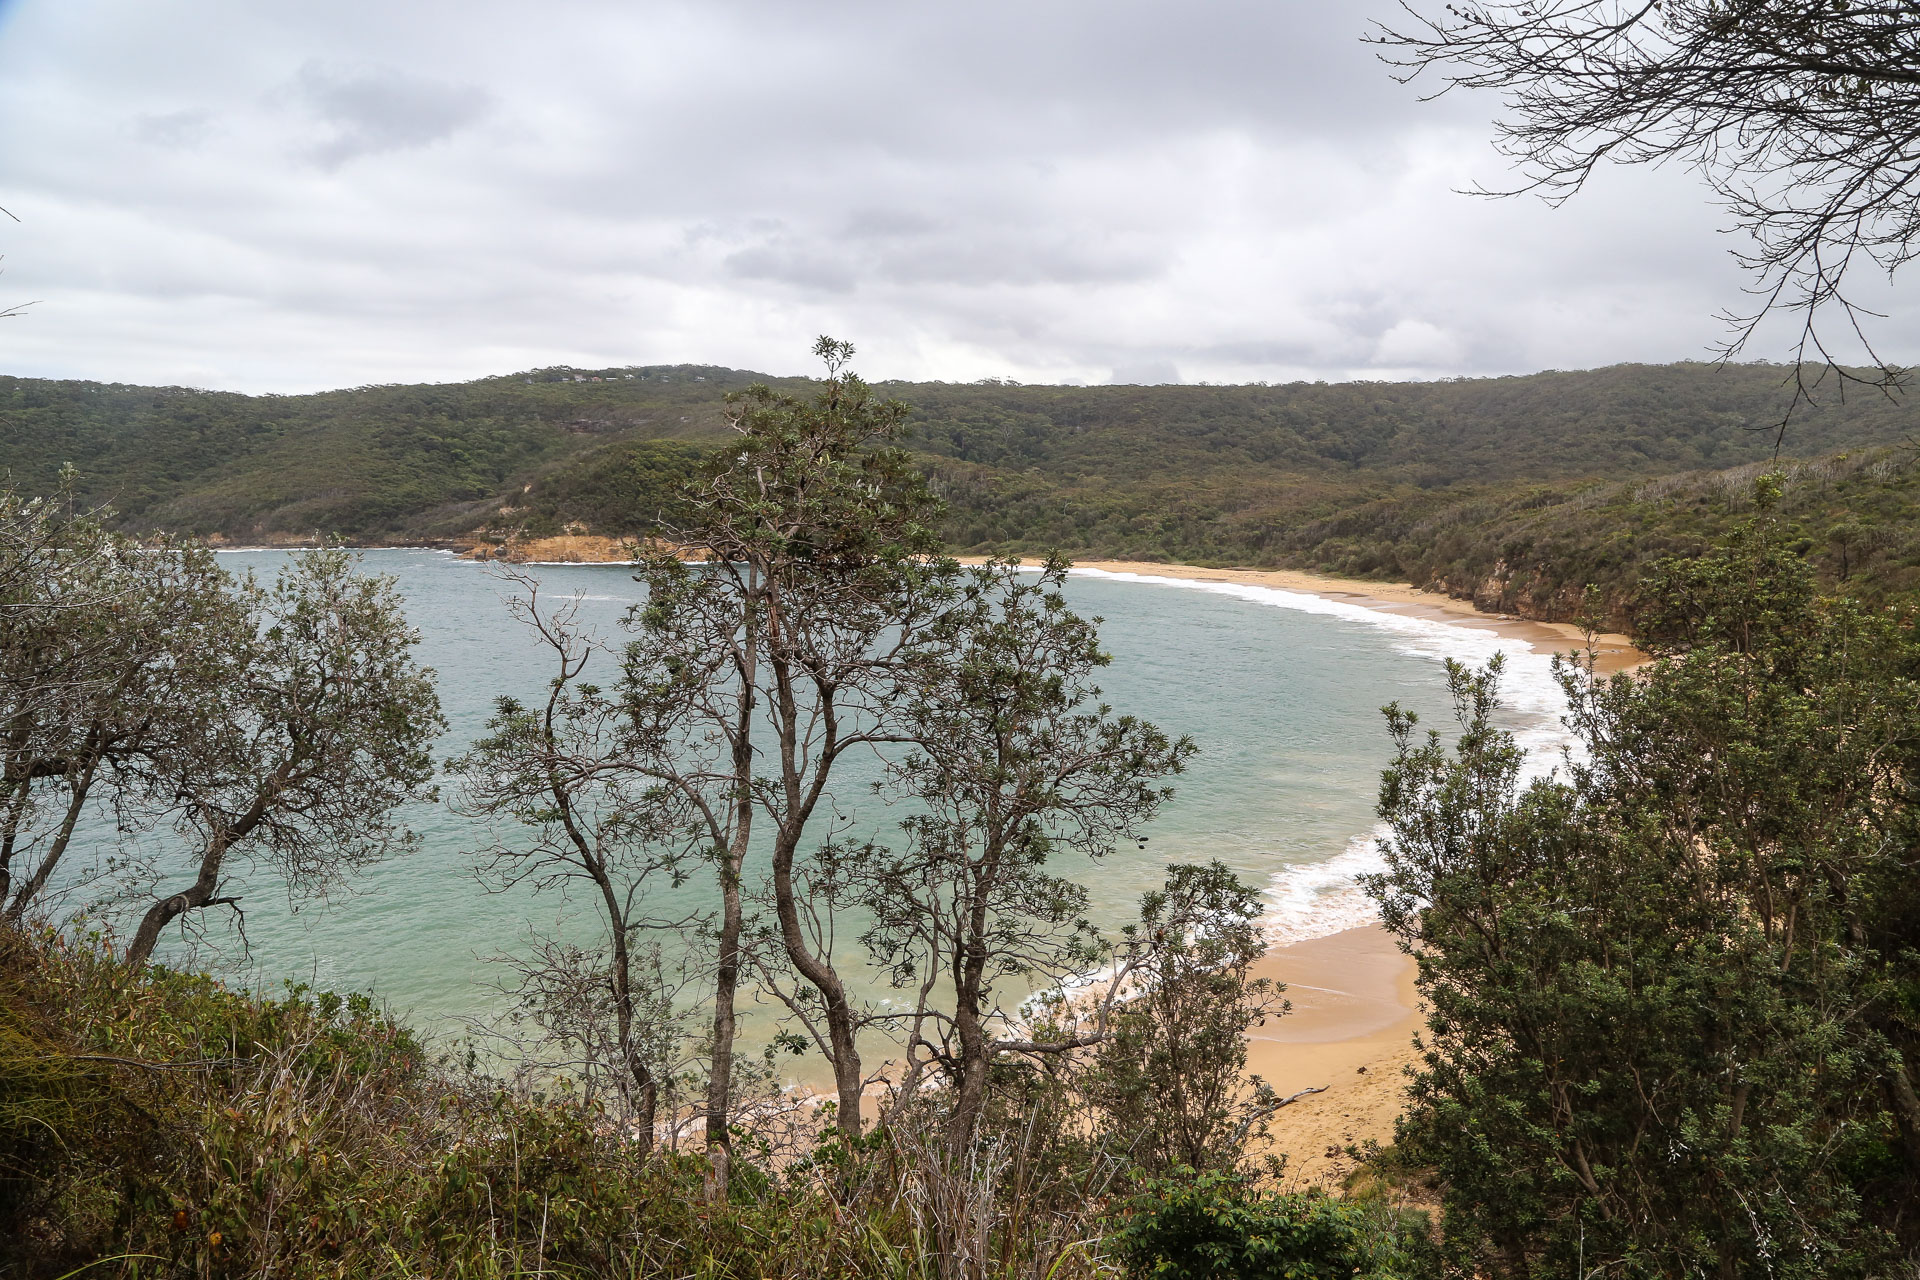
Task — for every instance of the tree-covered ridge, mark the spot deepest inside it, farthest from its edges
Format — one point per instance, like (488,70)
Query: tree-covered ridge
(1628,418)
(1517,491)
(1534,549)
(365,463)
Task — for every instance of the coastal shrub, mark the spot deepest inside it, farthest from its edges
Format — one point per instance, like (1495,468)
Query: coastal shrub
(1216,1226)
(158,1123)
(1671,1022)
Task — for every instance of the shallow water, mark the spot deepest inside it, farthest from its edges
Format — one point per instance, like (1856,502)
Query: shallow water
(1281,692)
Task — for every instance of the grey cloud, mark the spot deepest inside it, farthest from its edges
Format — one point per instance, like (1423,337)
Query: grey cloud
(786,264)
(1259,354)
(1229,189)
(887,224)
(909,252)
(1145,373)
(1046,258)
(174,129)
(383,110)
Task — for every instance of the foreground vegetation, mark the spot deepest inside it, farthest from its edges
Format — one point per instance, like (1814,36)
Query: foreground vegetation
(157,1124)
(1673,991)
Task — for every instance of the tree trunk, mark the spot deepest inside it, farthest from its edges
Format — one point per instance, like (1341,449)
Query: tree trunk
(167,910)
(726,986)
(842,1051)
(19,779)
(17,910)
(1906,1112)
(221,838)
(646,1092)
(970,1097)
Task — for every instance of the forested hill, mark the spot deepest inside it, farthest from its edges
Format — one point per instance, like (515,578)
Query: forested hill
(1487,486)
(363,463)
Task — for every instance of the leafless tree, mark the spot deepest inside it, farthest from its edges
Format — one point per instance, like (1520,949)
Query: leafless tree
(17,308)
(1803,116)
(582,807)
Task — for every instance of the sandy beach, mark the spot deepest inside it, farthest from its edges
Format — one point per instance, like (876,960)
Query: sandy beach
(1612,652)
(1354,1011)
(1350,1030)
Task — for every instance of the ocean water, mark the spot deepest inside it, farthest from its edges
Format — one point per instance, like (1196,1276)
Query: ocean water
(1281,691)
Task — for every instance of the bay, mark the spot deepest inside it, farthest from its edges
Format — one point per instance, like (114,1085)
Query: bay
(1281,692)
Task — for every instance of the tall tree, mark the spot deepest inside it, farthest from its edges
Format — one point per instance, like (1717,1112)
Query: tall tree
(1015,763)
(690,690)
(762,665)
(139,678)
(1671,1018)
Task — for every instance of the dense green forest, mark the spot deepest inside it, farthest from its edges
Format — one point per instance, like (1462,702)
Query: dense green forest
(366,463)
(1514,491)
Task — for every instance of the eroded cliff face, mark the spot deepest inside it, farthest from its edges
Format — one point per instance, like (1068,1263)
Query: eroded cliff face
(1534,591)
(565,548)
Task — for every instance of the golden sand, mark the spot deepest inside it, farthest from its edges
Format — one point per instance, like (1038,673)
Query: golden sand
(1612,652)
(1350,1031)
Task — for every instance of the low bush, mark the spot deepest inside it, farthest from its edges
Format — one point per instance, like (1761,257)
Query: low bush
(1215,1226)
(159,1124)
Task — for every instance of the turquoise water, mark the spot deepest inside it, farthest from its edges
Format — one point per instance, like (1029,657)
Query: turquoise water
(1280,691)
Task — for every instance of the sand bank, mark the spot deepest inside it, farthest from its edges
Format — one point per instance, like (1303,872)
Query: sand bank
(1612,652)
(1351,1027)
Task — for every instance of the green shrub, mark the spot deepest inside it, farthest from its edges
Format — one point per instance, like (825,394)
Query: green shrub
(1214,1226)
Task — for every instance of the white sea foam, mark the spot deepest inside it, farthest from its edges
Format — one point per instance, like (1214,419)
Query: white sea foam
(1315,899)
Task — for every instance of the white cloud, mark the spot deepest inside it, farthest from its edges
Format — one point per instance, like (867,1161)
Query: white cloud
(1419,345)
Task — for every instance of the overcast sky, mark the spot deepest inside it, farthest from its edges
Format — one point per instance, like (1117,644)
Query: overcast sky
(280,197)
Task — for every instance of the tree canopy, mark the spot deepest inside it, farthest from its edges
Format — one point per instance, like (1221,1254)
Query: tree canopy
(1671,991)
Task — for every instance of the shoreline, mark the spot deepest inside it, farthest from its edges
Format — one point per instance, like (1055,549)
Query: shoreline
(1354,1010)
(1612,652)
(1354,1013)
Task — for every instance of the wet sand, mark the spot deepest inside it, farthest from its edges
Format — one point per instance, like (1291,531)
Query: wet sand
(1351,1027)
(1612,652)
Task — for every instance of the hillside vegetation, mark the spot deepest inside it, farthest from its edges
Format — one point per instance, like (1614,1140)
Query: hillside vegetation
(1514,491)
(366,463)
